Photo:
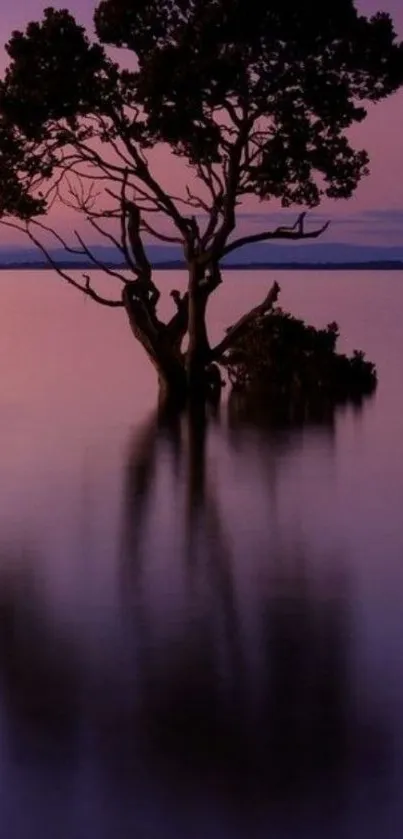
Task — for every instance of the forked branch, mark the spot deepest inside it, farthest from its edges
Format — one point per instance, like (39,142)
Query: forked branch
(296,232)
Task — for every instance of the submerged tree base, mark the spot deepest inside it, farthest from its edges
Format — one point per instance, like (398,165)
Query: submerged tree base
(284,363)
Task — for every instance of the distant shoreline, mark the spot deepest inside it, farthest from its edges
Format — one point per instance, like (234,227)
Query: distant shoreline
(382,265)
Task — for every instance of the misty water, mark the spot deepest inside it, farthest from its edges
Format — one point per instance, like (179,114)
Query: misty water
(201,629)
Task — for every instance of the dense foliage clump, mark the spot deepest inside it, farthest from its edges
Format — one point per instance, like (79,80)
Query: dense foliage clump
(281,356)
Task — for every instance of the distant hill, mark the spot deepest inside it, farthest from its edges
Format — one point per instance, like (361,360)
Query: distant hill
(389,265)
(327,254)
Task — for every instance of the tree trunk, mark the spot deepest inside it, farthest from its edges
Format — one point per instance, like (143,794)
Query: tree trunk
(197,357)
(183,377)
(161,350)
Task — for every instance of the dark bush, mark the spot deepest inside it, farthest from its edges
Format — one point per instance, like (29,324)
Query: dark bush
(279,355)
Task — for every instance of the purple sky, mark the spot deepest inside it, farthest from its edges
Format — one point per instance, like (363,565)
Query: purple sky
(381,134)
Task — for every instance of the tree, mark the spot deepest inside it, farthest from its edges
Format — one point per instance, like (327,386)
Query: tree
(256,98)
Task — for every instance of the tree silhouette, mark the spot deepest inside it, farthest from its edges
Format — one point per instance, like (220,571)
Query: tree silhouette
(254,98)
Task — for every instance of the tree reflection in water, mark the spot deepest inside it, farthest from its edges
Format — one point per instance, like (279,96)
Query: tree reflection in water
(270,715)
(247,702)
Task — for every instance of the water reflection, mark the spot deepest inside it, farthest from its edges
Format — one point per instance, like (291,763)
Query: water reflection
(283,412)
(258,704)
(224,691)
(40,674)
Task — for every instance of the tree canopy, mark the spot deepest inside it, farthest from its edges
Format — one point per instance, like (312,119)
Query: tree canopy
(256,96)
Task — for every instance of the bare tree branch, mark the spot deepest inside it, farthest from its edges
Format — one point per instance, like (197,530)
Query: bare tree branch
(111,238)
(124,244)
(98,262)
(195,201)
(93,294)
(143,173)
(163,237)
(234,332)
(290,233)
(210,178)
(47,229)
(231,111)
(86,289)
(232,172)
(214,218)
(141,196)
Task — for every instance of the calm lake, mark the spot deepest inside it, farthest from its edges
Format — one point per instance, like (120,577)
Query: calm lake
(201,630)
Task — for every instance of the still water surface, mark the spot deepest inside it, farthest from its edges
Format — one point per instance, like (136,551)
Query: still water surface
(201,630)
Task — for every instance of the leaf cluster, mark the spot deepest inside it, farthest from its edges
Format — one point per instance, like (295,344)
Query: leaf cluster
(280,355)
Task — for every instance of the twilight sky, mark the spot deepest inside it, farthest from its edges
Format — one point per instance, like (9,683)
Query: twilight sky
(376,211)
